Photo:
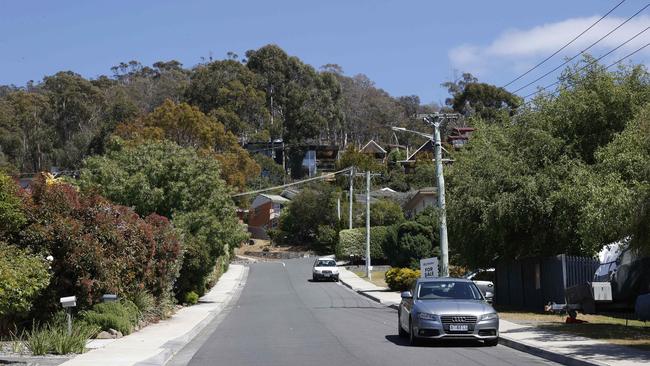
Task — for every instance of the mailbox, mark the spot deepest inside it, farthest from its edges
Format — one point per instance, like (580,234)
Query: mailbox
(68,302)
(109,297)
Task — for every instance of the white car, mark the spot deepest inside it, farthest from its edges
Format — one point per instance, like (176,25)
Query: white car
(484,279)
(325,269)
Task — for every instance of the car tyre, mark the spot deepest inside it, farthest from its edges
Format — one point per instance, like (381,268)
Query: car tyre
(491,342)
(313,278)
(414,341)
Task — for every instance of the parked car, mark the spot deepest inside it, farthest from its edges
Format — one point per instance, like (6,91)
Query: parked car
(447,308)
(325,269)
(484,279)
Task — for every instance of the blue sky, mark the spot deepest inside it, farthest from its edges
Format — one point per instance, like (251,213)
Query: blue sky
(406,47)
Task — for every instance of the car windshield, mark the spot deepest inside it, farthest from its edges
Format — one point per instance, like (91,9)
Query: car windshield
(325,263)
(448,290)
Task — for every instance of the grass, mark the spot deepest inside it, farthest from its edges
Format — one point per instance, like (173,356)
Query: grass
(378,277)
(609,328)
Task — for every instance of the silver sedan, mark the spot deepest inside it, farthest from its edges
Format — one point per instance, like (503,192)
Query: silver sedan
(447,308)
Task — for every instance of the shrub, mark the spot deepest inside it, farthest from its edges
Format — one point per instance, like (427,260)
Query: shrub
(145,302)
(352,242)
(98,247)
(119,315)
(326,239)
(23,276)
(54,338)
(411,242)
(191,298)
(401,279)
(11,213)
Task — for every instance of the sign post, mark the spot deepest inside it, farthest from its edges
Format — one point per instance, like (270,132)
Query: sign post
(429,268)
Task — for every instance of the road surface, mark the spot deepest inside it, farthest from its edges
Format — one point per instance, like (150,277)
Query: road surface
(284,319)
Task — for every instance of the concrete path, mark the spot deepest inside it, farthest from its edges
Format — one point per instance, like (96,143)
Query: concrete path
(157,343)
(562,348)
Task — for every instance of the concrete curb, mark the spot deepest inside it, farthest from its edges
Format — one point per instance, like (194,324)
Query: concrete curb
(170,348)
(505,340)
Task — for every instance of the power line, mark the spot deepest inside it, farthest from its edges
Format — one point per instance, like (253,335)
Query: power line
(598,59)
(583,51)
(292,184)
(565,46)
(584,67)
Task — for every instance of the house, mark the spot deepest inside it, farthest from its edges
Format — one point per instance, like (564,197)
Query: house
(377,152)
(459,136)
(265,211)
(425,197)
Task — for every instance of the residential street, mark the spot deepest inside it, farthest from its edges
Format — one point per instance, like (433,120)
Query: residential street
(282,318)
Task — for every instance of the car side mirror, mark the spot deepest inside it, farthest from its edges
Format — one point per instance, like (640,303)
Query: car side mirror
(407,295)
(489,297)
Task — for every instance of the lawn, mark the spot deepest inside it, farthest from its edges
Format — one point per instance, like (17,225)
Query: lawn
(610,328)
(378,277)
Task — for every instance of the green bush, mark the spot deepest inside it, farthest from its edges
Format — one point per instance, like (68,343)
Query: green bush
(326,239)
(54,338)
(22,278)
(145,302)
(119,315)
(411,242)
(352,242)
(191,298)
(401,279)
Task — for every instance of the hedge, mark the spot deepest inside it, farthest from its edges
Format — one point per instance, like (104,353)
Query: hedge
(352,242)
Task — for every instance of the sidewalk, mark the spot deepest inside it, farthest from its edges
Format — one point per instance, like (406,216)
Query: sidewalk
(157,343)
(562,348)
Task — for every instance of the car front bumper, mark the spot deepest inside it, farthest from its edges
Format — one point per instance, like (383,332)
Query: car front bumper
(329,276)
(486,330)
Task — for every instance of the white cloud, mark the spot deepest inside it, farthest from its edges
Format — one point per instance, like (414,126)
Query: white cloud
(516,50)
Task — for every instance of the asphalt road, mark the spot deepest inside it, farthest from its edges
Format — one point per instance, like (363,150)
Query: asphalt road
(284,319)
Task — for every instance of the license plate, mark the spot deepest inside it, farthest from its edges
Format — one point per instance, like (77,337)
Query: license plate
(327,275)
(458,328)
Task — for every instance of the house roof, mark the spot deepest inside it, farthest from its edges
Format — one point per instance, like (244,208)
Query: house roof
(372,147)
(275,198)
(289,193)
(419,195)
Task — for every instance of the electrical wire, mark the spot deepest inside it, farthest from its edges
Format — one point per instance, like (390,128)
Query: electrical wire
(584,67)
(565,46)
(293,183)
(596,60)
(583,51)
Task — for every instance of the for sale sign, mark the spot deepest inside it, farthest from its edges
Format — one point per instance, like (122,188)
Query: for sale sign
(429,267)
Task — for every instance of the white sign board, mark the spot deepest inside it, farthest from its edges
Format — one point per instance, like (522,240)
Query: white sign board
(429,267)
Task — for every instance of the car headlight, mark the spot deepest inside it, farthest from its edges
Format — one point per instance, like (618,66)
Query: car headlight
(489,316)
(427,316)
(317,271)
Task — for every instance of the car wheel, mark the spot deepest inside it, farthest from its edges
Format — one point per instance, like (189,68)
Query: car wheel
(491,342)
(313,278)
(400,331)
(413,339)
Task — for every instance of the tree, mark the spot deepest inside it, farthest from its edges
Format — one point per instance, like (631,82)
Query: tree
(233,93)
(179,183)
(304,102)
(12,217)
(313,208)
(384,213)
(469,97)
(189,127)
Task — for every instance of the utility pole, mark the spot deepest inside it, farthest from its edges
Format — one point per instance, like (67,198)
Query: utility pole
(444,244)
(351,194)
(368,265)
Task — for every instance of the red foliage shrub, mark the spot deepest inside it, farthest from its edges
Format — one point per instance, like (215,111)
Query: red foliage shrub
(98,247)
